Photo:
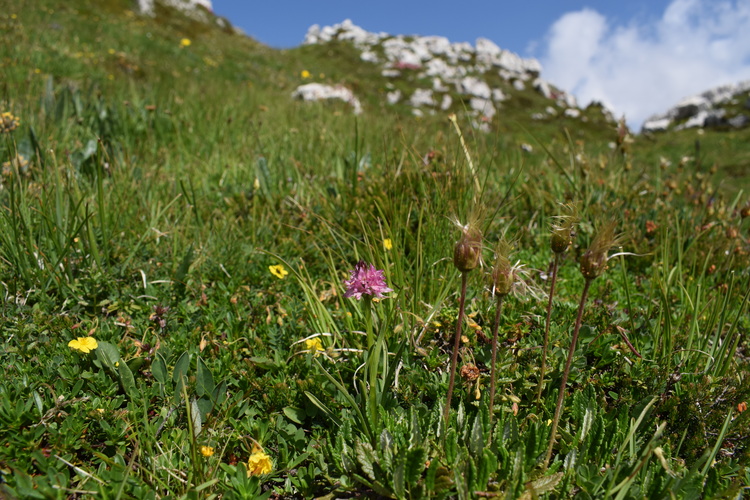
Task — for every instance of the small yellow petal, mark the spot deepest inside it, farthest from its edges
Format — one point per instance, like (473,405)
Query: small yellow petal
(279,271)
(387,244)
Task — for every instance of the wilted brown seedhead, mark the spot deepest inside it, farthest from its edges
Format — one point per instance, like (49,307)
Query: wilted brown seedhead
(594,261)
(467,254)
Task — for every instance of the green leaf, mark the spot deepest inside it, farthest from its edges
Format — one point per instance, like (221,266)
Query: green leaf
(181,367)
(204,383)
(195,415)
(366,458)
(159,369)
(414,465)
(546,483)
(126,380)
(108,355)
(477,437)
(219,394)
(398,480)
(296,415)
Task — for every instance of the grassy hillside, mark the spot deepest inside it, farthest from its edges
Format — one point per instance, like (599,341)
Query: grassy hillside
(176,234)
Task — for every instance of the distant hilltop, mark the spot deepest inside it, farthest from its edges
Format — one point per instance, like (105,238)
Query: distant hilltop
(147,6)
(442,74)
(726,106)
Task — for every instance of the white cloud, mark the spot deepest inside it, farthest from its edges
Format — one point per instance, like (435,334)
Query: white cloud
(641,69)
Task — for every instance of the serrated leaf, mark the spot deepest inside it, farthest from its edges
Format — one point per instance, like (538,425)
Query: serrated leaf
(477,443)
(451,445)
(414,465)
(545,483)
(398,480)
(366,458)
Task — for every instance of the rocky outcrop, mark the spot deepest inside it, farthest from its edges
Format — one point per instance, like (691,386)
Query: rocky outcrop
(319,91)
(724,106)
(477,78)
(147,6)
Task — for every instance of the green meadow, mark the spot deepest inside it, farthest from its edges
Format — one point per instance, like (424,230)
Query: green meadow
(184,314)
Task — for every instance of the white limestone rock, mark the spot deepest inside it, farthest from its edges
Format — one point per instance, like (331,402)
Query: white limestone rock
(422,97)
(319,91)
(473,86)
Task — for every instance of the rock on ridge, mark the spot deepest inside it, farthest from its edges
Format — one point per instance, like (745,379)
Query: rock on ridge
(457,68)
(703,110)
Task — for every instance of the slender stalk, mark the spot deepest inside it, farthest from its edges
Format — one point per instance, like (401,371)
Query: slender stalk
(545,346)
(373,362)
(566,372)
(456,342)
(498,312)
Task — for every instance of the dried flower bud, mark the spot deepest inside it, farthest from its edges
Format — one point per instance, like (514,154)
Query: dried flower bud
(469,372)
(594,260)
(467,253)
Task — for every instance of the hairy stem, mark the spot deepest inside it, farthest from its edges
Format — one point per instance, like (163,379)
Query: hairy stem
(545,345)
(566,372)
(498,312)
(456,342)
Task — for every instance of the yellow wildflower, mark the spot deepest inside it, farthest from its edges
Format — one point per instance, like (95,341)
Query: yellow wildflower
(279,271)
(207,451)
(305,74)
(314,344)
(185,42)
(84,344)
(8,122)
(258,463)
(387,244)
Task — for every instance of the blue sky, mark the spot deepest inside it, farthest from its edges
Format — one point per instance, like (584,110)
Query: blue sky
(637,56)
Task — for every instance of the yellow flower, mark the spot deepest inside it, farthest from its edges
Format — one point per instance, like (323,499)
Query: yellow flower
(207,451)
(387,244)
(258,463)
(84,344)
(279,271)
(185,42)
(8,122)
(314,344)
(305,74)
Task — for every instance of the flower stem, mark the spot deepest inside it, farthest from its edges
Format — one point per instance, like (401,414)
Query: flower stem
(373,362)
(545,346)
(498,311)
(456,342)
(566,372)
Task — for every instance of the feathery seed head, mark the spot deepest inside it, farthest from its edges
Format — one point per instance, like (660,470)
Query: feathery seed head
(467,254)
(562,228)
(503,273)
(594,260)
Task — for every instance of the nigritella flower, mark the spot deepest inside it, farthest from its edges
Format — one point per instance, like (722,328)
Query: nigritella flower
(365,279)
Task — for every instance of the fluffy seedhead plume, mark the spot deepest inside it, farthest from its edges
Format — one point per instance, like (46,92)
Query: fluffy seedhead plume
(503,273)
(594,261)
(467,254)
(562,228)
